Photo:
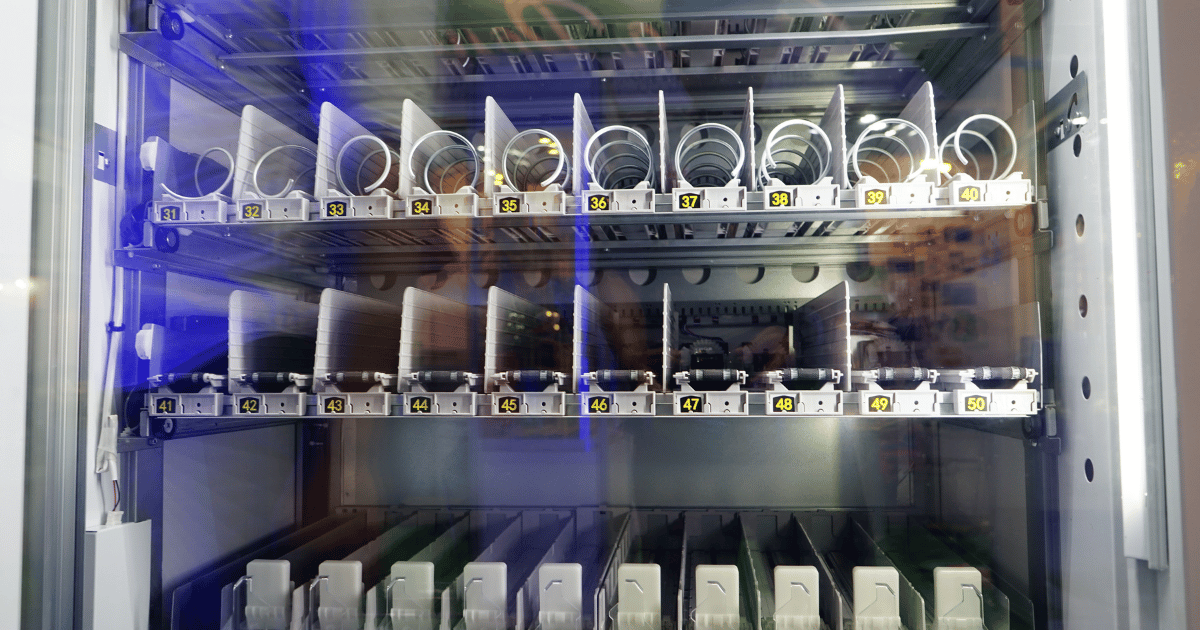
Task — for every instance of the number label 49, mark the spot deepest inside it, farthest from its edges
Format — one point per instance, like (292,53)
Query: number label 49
(879,404)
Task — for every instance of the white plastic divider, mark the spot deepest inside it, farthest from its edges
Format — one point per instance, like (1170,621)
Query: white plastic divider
(272,340)
(749,173)
(439,351)
(666,181)
(718,597)
(957,598)
(426,147)
(508,196)
(582,130)
(268,594)
(293,164)
(342,144)
(595,363)
(821,332)
(670,331)
(352,371)
(520,352)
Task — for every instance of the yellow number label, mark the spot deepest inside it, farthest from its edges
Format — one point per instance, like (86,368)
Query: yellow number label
(165,406)
(509,205)
(691,404)
(785,404)
(335,405)
(598,404)
(252,211)
(781,199)
(689,201)
(420,404)
(248,405)
(335,209)
(879,404)
(976,403)
(598,202)
(969,193)
(422,206)
(510,404)
(169,213)
(876,197)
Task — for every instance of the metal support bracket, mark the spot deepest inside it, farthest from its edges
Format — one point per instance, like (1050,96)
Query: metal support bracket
(1067,112)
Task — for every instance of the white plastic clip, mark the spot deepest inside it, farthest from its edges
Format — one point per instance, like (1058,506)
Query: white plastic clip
(876,598)
(717,603)
(797,598)
(485,586)
(268,593)
(958,598)
(639,600)
(410,596)
(560,596)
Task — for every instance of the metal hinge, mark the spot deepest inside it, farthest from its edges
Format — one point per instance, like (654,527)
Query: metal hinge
(1067,112)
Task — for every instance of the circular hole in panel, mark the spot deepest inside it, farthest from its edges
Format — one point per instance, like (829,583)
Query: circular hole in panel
(805,273)
(432,281)
(1078,145)
(589,277)
(1079,225)
(697,275)
(536,279)
(1083,306)
(383,281)
(642,277)
(1074,65)
(751,275)
(485,279)
(859,271)
(1089,470)
(1087,388)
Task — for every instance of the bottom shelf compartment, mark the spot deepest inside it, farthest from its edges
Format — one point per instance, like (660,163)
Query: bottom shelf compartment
(607,569)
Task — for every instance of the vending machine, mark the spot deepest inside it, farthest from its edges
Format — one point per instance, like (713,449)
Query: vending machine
(558,315)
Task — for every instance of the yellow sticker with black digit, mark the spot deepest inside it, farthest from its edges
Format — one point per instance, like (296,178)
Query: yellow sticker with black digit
(780,199)
(599,404)
(689,201)
(509,205)
(598,203)
(975,403)
(249,404)
(335,405)
(422,207)
(691,404)
(970,194)
(876,197)
(420,404)
(509,404)
(251,211)
(166,406)
(783,404)
(168,213)
(335,209)
(879,404)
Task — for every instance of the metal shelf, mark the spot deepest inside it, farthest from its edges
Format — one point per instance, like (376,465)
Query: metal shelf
(613,240)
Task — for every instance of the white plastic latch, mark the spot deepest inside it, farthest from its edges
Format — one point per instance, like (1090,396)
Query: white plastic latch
(639,600)
(958,598)
(340,595)
(797,598)
(268,593)
(485,585)
(148,341)
(876,598)
(717,603)
(410,596)
(560,593)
